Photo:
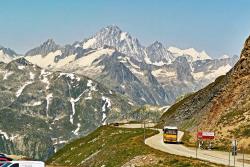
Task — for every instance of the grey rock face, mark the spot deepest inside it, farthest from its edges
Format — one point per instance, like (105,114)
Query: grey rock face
(157,53)
(147,91)
(183,69)
(44,49)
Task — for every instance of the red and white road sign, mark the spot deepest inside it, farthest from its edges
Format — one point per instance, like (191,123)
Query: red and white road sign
(206,135)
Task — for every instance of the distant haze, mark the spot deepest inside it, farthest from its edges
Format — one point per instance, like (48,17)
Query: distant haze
(218,27)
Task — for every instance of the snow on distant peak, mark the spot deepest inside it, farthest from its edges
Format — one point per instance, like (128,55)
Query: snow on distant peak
(90,42)
(113,28)
(225,57)
(4,57)
(86,61)
(123,36)
(7,54)
(190,53)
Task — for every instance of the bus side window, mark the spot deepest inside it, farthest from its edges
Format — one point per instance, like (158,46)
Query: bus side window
(15,165)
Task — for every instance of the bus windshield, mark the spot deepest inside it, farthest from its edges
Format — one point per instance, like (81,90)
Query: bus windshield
(170,131)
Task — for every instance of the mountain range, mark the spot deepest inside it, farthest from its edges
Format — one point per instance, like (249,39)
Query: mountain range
(148,75)
(58,93)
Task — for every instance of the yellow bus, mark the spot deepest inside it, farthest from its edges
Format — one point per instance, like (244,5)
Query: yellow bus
(170,134)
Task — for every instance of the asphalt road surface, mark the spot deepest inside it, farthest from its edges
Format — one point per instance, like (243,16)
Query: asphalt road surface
(219,157)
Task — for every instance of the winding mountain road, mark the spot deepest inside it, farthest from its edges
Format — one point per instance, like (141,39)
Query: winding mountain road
(218,157)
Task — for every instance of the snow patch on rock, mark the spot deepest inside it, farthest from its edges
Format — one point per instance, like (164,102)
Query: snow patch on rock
(48,99)
(7,74)
(123,36)
(76,131)
(106,105)
(44,77)
(190,53)
(37,103)
(4,134)
(21,67)
(19,91)
(32,76)
(73,101)
(71,76)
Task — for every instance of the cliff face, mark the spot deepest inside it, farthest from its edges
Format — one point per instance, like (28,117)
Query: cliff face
(223,106)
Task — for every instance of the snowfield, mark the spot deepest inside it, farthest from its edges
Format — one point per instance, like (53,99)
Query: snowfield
(44,61)
(89,43)
(191,53)
(88,60)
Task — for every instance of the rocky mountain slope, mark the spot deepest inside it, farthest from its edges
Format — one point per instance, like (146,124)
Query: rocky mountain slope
(43,110)
(223,106)
(149,75)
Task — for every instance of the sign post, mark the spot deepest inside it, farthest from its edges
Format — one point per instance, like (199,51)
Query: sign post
(205,136)
(234,148)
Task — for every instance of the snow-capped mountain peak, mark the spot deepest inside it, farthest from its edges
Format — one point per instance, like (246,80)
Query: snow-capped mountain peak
(112,28)
(44,49)
(157,54)
(50,42)
(7,54)
(157,44)
(191,54)
(113,36)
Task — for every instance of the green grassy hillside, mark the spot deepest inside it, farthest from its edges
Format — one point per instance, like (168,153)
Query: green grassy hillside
(115,147)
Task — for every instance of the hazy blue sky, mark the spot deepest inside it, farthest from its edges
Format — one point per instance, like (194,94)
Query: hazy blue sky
(217,26)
